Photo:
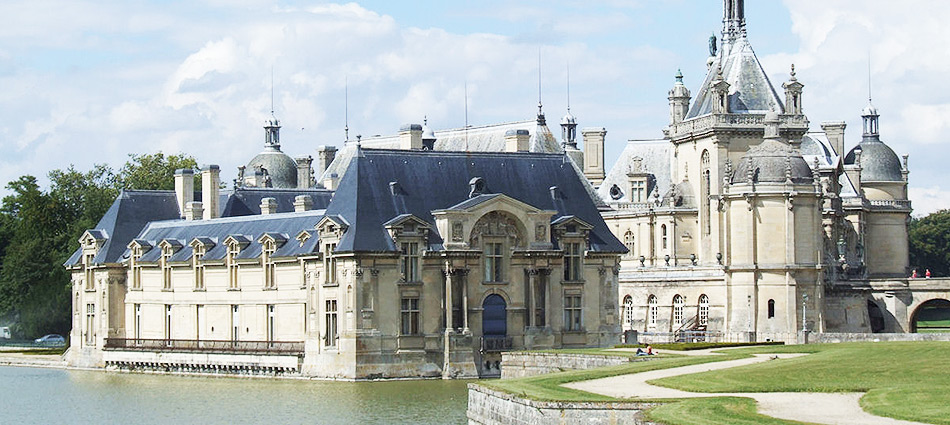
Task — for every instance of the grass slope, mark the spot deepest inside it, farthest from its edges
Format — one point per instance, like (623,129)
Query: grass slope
(713,411)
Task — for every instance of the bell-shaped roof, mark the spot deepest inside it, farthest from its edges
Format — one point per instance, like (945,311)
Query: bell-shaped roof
(280,167)
(879,163)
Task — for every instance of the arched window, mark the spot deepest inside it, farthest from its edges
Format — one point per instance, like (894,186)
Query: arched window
(706,191)
(653,310)
(628,309)
(678,310)
(663,236)
(771,309)
(628,241)
(703,310)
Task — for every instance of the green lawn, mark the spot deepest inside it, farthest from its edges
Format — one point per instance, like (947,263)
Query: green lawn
(904,380)
(713,411)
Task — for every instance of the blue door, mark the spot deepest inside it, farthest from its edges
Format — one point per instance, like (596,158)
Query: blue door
(495,316)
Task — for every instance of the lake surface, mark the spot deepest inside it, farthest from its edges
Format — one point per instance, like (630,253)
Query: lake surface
(52,396)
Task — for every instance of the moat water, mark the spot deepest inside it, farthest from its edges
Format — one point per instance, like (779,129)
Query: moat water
(46,396)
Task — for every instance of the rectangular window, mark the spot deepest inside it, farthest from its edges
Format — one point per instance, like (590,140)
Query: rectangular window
(199,317)
(166,269)
(90,324)
(329,336)
(235,323)
(572,312)
(493,262)
(267,260)
(540,300)
(168,322)
(410,261)
(233,251)
(409,310)
(573,256)
(271,324)
(90,273)
(637,191)
(136,267)
(199,269)
(138,321)
(329,263)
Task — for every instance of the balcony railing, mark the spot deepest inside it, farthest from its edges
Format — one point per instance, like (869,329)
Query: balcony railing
(205,346)
(494,344)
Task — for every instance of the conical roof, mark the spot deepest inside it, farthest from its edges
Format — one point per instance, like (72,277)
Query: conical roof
(750,91)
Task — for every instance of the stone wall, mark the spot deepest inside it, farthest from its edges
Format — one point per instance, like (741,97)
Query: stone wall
(489,407)
(520,364)
(824,338)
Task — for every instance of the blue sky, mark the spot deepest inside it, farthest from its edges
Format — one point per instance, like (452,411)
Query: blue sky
(89,82)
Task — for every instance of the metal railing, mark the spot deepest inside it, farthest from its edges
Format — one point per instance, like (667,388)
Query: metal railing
(205,346)
(494,344)
(679,336)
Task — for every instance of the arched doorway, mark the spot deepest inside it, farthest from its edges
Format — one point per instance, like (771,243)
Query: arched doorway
(876,316)
(495,316)
(931,316)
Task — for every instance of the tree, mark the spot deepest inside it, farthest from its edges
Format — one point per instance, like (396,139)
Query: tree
(152,171)
(930,243)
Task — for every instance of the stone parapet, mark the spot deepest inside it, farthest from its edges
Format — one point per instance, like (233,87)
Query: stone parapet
(490,407)
(828,338)
(520,364)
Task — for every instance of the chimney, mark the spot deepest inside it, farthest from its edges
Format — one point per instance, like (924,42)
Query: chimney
(303,203)
(517,140)
(210,188)
(193,211)
(835,132)
(184,188)
(268,206)
(594,154)
(331,182)
(304,172)
(325,157)
(410,137)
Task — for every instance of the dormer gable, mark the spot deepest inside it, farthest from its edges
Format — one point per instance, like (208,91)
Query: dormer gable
(140,244)
(570,226)
(303,237)
(240,241)
(407,226)
(456,223)
(332,227)
(278,239)
(170,245)
(201,244)
(93,239)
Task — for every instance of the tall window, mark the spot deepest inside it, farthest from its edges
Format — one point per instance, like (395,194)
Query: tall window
(409,311)
(198,267)
(654,310)
(329,263)
(90,324)
(771,309)
(267,262)
(638,191)
(271,323)
(166,269)
(628,241)
(493,262)
(329,336)
(235,323)
(628,309)
(233,250)
(703,310)
(168,322)
(678,310)
(572,261)
(90,272)
(706,192)
(410,261)
(572,312)
(136,267)
(663,236)
(138,321)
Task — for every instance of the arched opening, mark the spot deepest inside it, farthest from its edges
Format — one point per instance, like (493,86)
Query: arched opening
(932,316)
(703,311)
(771,309)
(876,316)
(653,311)
(628,310)
(678,303)
(495,316)
(629,241)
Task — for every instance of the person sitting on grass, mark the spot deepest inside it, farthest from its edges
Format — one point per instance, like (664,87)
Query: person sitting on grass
(650,350)
(640,352)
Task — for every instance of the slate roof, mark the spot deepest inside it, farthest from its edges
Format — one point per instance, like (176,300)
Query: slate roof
(431,181)
(247,201)
(879,163)
(655,156)
(750,91)
(130,212)
(282,226)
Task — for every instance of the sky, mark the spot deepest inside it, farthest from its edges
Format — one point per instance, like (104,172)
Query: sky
(85,82)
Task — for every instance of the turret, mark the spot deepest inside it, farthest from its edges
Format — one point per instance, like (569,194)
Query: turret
(679,100)
(793,94)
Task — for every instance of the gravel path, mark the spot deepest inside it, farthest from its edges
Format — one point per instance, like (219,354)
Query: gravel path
(819,408)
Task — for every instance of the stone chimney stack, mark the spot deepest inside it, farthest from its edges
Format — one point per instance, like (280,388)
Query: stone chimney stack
(304,172)
(325,157)
(303,203)
(835,132)
(194,211)
(210,190)
(517,140)
(184,188)
(331,182)
(268,206)
(410,137)
(594,154)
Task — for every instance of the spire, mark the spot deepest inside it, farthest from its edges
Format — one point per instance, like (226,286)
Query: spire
(346,109)
(733,22)
(870,114)
(569,123)
(272,126)
(541,120)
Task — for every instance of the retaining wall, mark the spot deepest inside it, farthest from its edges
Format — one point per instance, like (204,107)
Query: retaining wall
(871,337)
(521,364)
(490,407)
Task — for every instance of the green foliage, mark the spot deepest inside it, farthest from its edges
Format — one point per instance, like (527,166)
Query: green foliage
(930,243)
(39,232)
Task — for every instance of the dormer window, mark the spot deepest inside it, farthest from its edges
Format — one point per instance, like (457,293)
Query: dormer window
(231,261)
(494,262)
(638,190)
(267,262)
(198,267)
(135,265)
(165,263)
(89,271)
(409,261)
(573,261)
(329,263)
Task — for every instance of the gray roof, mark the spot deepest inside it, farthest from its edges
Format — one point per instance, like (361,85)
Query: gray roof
(487,138)
(281,168)
(433,180)
(773,161)
(750,91)
(879,163)
(654,158)
(247,200)
(815,145)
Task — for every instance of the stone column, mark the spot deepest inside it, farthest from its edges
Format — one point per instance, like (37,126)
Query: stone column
(530,304)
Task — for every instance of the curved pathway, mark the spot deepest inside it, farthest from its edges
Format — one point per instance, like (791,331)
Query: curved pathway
(819,408)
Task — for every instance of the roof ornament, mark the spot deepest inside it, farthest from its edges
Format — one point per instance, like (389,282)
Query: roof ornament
(713,45)
(793,78)
(346,109)
(541,119)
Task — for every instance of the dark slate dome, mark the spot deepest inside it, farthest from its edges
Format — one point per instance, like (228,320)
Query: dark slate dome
(281,168)
(769,162)
(879,163)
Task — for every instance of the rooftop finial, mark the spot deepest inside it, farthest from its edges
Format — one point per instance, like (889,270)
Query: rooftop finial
(568,86)
(793,78)
(346,108)
(679,75)
(272,90)
(541,120)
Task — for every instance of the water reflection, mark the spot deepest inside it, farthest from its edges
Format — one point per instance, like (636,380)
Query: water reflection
(57,396)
